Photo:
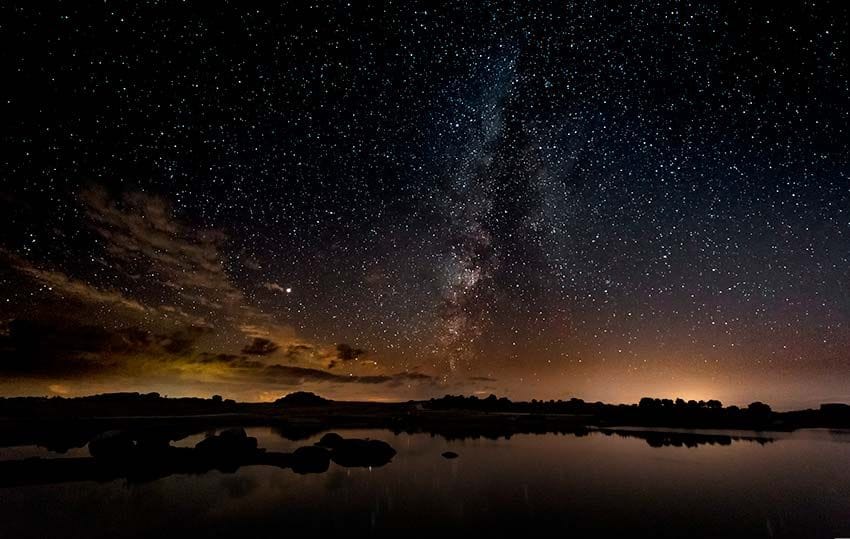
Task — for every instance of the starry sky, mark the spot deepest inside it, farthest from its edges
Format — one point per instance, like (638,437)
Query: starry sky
(393,200)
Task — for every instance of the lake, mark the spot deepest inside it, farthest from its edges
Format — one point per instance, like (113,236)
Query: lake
(629,483)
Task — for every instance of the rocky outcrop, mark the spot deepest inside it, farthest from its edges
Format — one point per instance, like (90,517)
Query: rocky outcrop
(230,442)
(357,452)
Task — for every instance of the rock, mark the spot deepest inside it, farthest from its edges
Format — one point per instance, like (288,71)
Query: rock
(229,443)
(330,440)
(362,453)
(450,455)
(235,435)
(355,451)
(310,459)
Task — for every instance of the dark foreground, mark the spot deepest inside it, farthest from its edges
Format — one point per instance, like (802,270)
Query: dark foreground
(619,482)
(139,465)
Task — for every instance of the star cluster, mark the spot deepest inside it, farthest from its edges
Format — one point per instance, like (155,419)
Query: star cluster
(396,199)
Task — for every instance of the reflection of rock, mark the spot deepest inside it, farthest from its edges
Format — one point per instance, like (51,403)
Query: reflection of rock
(357,452)
(229,445)
(228,450)
(330,440)
(310,459)
(295,431)
(231,442)
(146,454)
(450,455)
(112,444)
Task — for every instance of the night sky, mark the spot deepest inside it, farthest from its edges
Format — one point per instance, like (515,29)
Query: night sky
(392,200)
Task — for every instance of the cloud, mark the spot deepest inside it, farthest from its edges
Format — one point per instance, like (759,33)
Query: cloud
(220,358)
(282,343)
(68,349)
(181,342)
(275,287)
(481,379)
(300,353)
(291,375)
(87,294)
(260,346)
(169,289)
(59,389)
(30,348)
(278,333)
(141,232)
(63,285)
(62,350)
(344,352)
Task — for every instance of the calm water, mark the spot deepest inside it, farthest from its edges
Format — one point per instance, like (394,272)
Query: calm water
(795,486)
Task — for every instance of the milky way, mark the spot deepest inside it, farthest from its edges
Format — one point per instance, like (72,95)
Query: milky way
(393,200)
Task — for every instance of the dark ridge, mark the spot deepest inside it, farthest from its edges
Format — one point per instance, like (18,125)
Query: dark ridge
(63,423)
(302,398)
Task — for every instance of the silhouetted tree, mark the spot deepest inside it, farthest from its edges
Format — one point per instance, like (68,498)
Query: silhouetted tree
(647,403)
(758,408)
(759,411)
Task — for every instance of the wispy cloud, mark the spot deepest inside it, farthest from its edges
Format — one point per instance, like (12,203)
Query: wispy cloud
(141,230)
(276,288)
(61,284)
(84,293)
(174,313)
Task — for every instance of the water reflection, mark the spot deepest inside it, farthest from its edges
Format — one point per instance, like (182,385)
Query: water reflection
(148,455)
(280,438)
(660,438)
(594,483)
